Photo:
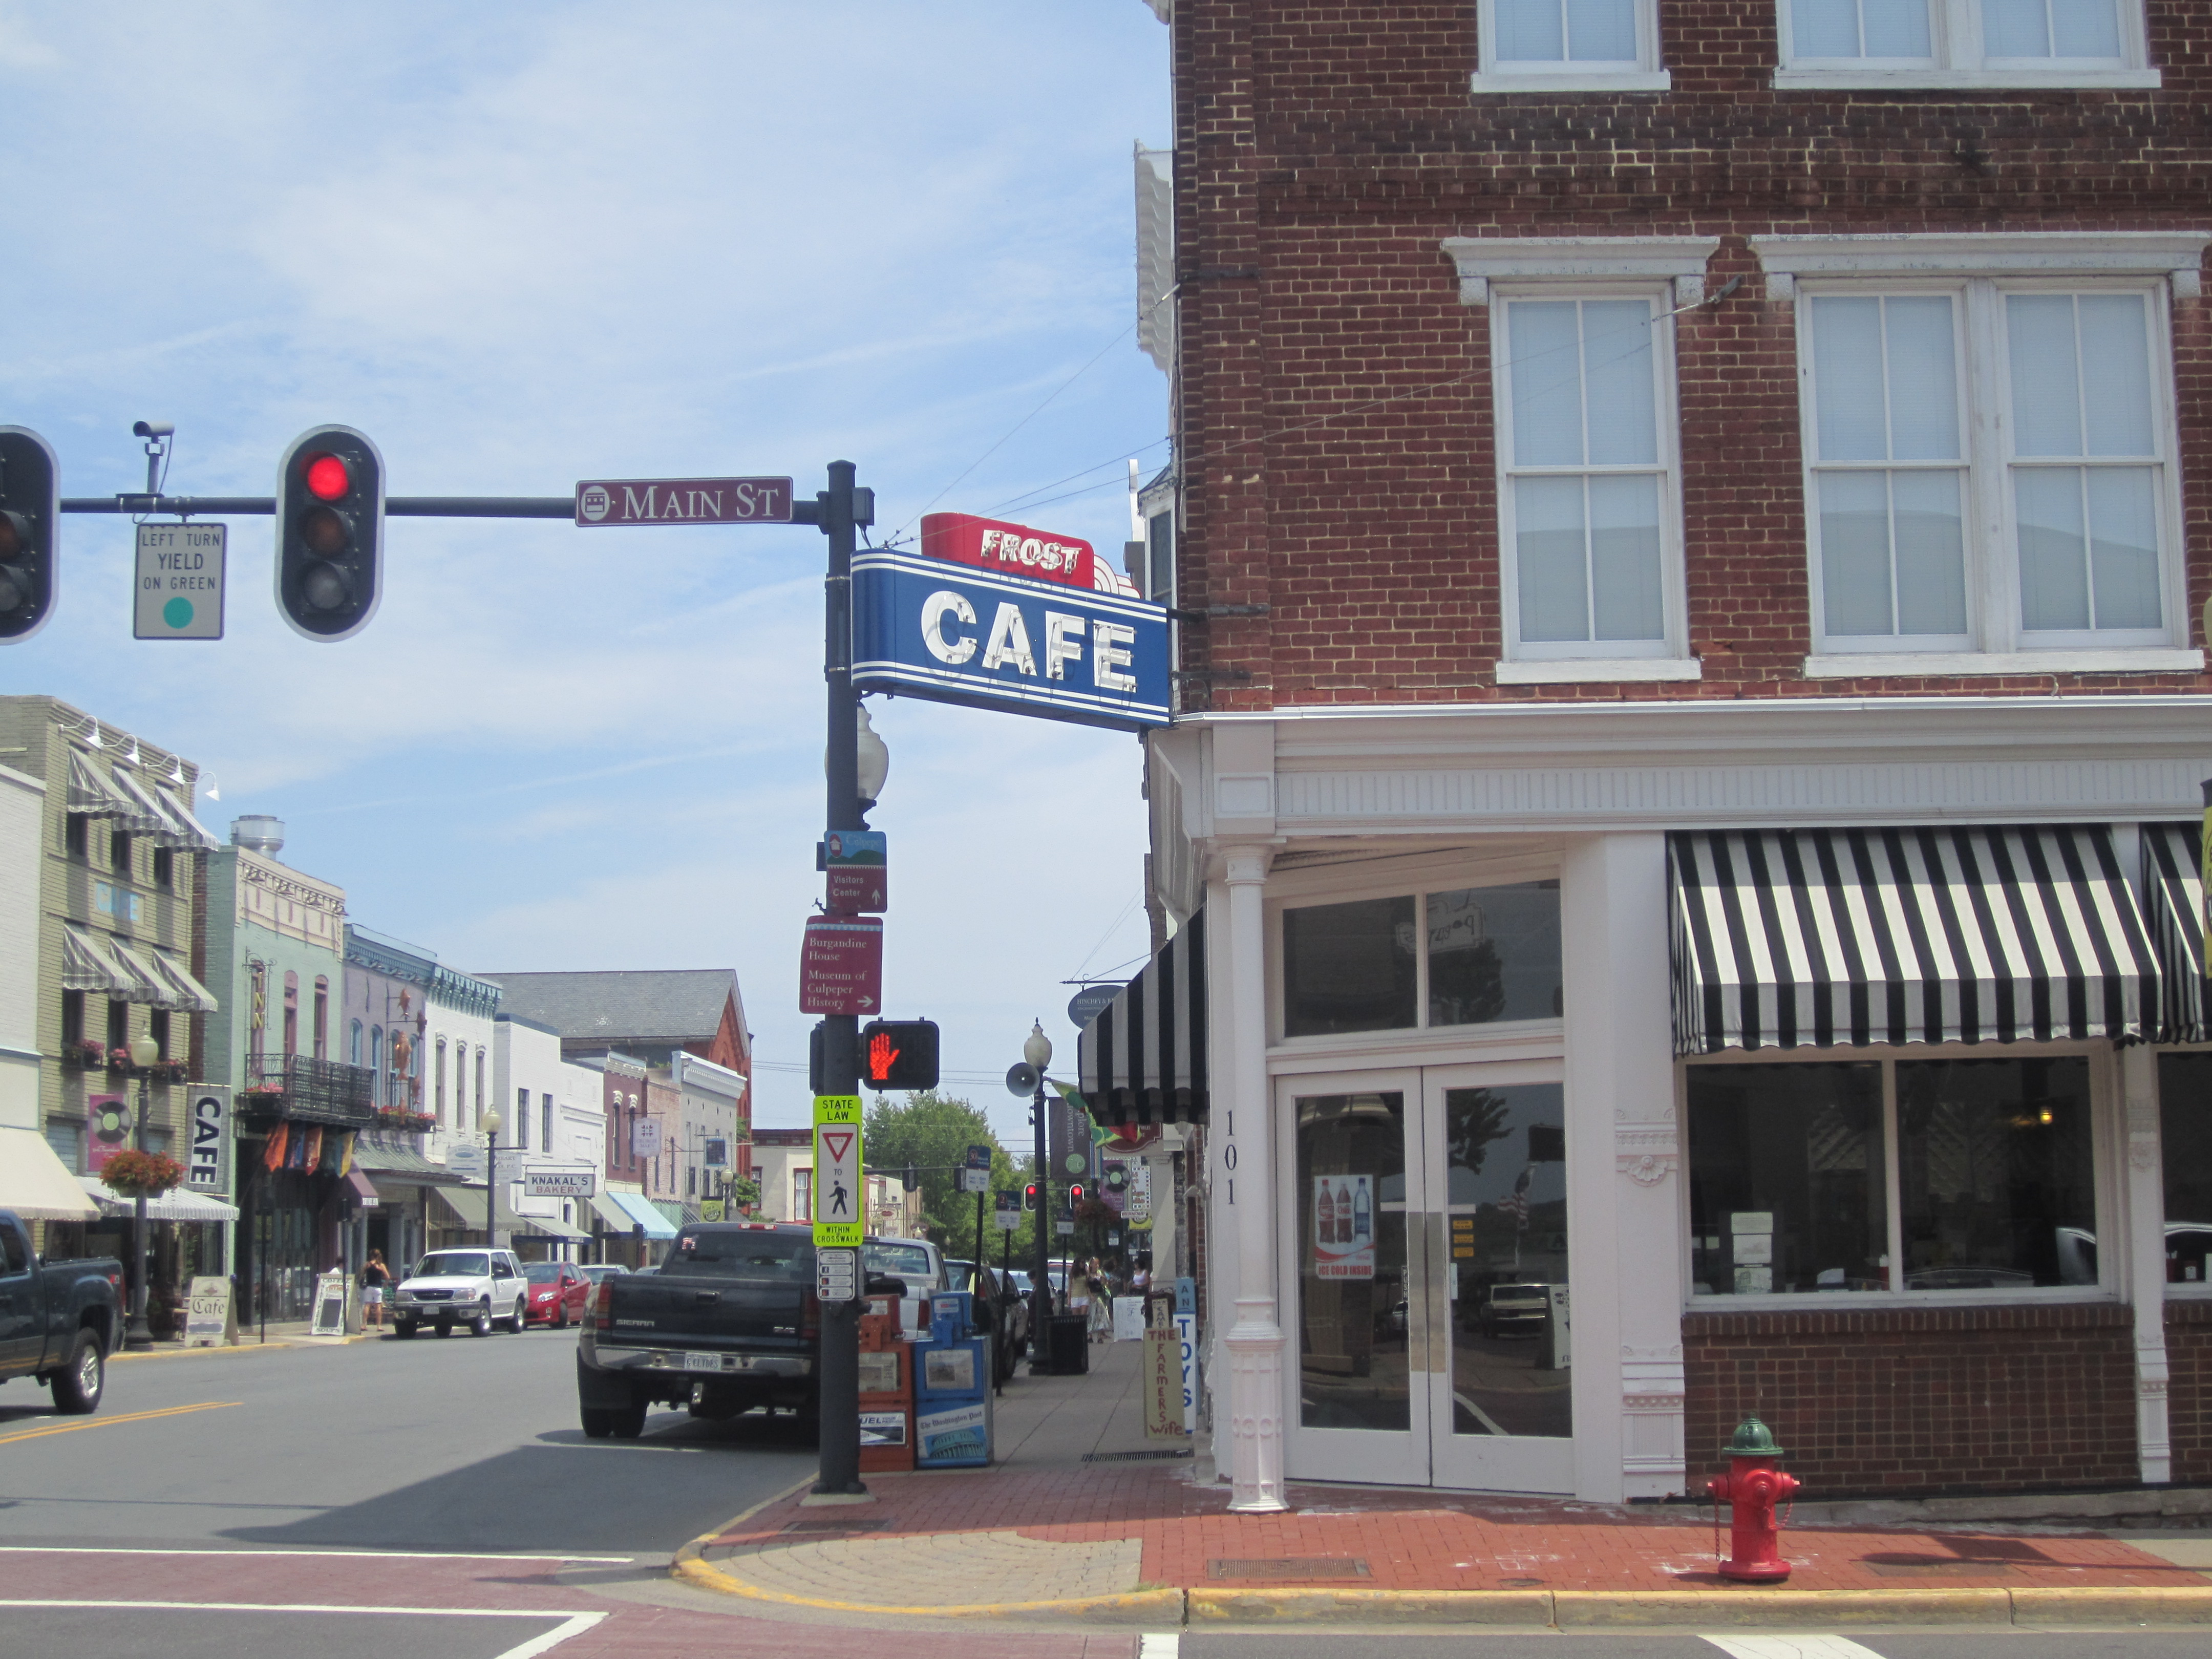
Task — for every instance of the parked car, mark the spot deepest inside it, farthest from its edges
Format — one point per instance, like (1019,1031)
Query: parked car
(59,1322)
(727,1322)
(998,1310)
(602,1270)
(476,1288)
(1513,1309)
(558,1293)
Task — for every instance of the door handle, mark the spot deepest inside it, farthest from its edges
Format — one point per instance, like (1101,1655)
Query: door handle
(1435,1339)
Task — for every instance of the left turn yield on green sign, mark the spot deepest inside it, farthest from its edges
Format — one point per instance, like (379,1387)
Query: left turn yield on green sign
(178,583)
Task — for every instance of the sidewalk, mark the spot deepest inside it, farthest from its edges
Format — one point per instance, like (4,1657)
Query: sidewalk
(1082,1519)
(290,1333)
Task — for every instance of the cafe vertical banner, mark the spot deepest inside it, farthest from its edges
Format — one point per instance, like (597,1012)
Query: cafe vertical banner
(207,1138)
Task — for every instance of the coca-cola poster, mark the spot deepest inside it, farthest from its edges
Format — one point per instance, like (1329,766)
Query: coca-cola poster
(1344,1226)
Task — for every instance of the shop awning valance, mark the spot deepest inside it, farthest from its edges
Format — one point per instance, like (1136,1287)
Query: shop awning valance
(88,964)
(1784,938)
(1143,1058)
(36,1183)
(140,816)
(642,1212)
(613,1217)
(467,1204)
(192,835)
(2173,888)
(149,985)
(185,993)
(179,1204)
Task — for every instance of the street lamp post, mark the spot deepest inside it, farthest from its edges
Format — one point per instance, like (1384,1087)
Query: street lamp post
(491,1122)
(1037,1051)
(144,1051)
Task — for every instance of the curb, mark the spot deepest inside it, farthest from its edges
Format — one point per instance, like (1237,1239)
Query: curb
(1537,1609)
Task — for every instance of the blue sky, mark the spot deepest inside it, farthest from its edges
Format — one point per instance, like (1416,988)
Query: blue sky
(521,245)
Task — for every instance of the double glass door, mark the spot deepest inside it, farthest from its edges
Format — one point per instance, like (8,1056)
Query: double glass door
(1426,1216)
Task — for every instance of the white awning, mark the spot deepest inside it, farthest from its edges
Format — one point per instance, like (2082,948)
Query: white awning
(143,817)
(179,1204)
(467,1204)
(89,965)
(149,987)
(36,1183)
(90,794)
(186,993)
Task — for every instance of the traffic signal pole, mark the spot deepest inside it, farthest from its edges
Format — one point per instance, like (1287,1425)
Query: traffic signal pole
(839,1363)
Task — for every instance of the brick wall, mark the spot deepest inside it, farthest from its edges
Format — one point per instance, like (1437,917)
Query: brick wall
(2189,1393)
(1334,408)
(1920,1400)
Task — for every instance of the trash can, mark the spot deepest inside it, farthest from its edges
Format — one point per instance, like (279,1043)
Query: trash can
(1067,1344)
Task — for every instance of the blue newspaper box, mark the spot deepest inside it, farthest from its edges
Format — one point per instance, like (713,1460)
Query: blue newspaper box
(953,1416)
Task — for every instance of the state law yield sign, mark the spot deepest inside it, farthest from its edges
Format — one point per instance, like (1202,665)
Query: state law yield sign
(928,627)
(838,1211)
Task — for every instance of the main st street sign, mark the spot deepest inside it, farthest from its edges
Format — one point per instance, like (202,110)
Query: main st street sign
(952,633)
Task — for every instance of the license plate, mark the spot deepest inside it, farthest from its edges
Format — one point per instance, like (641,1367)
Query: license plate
(703,1362)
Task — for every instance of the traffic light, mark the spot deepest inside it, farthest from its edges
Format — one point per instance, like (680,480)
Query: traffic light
(899,1053)
(330,532)
(1074,1193)
(1030,1196)
(30,521)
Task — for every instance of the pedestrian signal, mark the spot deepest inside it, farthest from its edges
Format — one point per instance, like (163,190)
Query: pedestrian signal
(898,1054)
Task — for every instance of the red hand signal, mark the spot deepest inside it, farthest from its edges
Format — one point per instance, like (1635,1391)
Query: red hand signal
(880,1055)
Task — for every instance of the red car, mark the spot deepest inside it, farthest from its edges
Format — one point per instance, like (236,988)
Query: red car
(558,1290)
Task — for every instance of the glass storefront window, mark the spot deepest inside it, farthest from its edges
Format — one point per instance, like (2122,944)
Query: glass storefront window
(1993,1186)
(1786,1184)
(1491,954)
(1506,1196)
(1353,1370)
(1494,954)
(1348,967)
(2185,1110)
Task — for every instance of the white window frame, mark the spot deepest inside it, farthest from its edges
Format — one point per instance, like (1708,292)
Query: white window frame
(1644,74)
(1958,60)
(1670,270)
(1981,268)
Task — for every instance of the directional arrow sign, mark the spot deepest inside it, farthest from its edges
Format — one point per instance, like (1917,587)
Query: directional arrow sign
(841,969)
(838,1195)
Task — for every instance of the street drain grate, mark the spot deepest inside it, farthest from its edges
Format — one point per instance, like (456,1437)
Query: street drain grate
(828,1523)
(1161,1453)
(1290,1566)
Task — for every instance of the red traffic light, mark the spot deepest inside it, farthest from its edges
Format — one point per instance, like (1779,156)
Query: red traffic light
(1028,1196)
(328,477)
(1075,1194)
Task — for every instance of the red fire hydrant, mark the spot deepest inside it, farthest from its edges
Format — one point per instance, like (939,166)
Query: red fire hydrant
(1750,1488)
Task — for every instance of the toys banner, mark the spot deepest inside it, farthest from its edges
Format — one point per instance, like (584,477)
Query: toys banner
(1344,1226)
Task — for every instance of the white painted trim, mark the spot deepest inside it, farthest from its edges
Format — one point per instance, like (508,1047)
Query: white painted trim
(1595,80)
(1482,260)
(2147,660)
(1985,253)
(1923,78)
(1598,671)
(1522,1040)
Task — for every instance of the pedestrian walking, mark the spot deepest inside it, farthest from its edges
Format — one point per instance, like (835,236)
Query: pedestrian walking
(1101,1286)
(374,1276)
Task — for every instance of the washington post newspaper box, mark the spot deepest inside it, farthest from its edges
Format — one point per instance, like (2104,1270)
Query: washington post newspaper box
(952,1417)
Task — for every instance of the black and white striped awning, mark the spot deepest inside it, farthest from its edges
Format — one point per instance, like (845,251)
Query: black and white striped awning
(1969,934)
(2173,889)
(1143,1058)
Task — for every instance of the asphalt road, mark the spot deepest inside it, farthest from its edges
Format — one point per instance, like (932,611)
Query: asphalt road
(466,1443)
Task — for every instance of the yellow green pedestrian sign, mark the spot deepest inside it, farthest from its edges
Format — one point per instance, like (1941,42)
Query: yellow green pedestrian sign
(838,1193)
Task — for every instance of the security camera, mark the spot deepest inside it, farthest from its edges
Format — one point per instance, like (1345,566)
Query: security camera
(154,430)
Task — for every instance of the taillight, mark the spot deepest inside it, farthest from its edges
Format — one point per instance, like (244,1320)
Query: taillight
(809,1316)
(603,1305)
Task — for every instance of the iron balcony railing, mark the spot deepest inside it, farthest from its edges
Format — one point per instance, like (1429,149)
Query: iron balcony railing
(313,1091)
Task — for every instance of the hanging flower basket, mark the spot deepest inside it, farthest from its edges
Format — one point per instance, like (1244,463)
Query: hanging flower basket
(86,1051)
(119,1060)
(136,1174)
(168,1071)
(393,1117)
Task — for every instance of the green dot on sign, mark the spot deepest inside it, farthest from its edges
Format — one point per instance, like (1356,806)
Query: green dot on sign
(178,613)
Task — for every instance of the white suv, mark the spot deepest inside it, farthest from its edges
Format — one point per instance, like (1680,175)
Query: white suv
(475,1288)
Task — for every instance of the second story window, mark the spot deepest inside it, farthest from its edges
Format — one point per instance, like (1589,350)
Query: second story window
(1963,43)
(1569,45)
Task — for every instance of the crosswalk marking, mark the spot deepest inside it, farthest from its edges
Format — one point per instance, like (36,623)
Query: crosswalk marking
(1156,1645)
(1791,1647)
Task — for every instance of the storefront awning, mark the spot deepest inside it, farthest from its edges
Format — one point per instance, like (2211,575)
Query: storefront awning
(1143,1058)
(181,1204)
(91,795)
(155,817)
(184,992)
(150,987)
(363,1188)
(88,964)
(2173,886)
(467,1204)
(611,1216)
(1965,934)
(36,1183)
(642,1211)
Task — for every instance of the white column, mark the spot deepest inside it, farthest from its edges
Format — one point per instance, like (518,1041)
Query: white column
(1244,1177)
(2144,1229)
(1624,1177)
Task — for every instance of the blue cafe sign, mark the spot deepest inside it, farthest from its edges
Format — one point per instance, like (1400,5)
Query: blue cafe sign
(955,633)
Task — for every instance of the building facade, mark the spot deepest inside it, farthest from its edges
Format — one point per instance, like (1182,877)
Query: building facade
(554,1119)
(115,877)
(405,1154)
(1681,829)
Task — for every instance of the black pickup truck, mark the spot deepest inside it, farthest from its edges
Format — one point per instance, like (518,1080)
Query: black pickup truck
(730,1321)
(58,1322)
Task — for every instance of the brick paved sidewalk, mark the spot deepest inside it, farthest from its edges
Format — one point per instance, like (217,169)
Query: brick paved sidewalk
(1000,1536)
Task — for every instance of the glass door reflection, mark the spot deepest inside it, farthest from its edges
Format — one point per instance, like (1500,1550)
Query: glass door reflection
(1353,1311)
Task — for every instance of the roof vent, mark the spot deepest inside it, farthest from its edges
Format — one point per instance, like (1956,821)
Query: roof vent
(258,834)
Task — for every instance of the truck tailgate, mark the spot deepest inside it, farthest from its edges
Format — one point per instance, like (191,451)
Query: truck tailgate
(699,1310)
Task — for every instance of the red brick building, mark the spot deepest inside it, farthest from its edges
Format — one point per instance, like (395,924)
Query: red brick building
(1687,527)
